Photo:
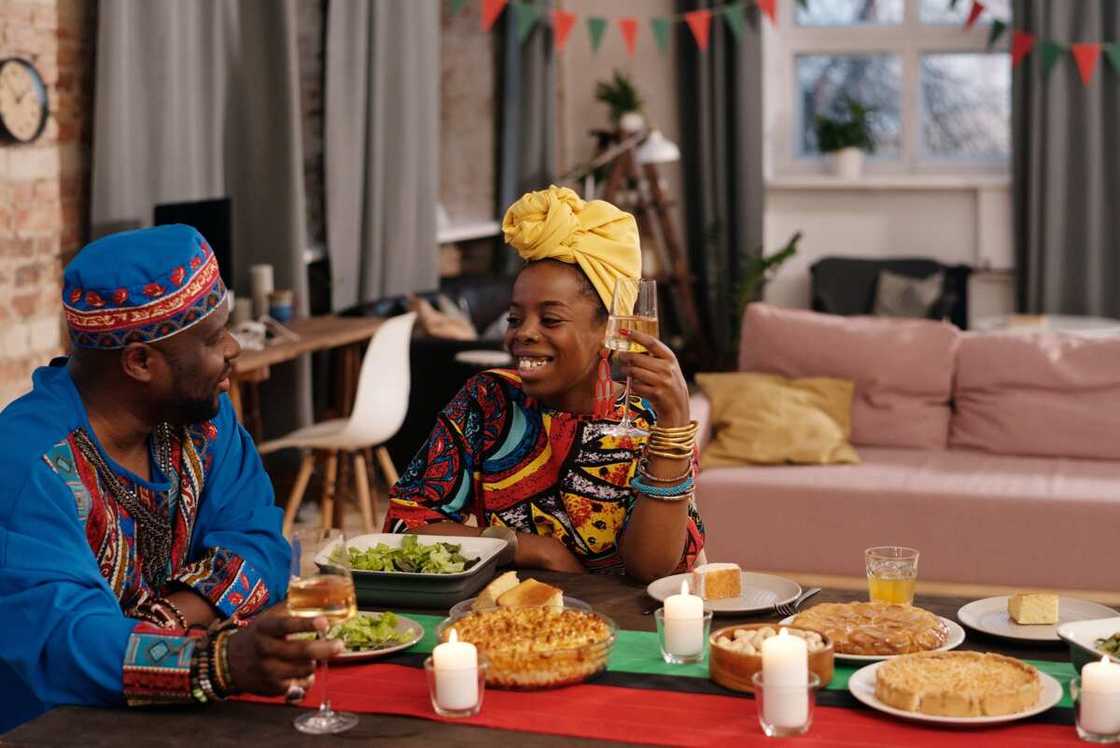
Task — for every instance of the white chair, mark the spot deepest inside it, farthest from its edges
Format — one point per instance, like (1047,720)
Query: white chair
(379,409)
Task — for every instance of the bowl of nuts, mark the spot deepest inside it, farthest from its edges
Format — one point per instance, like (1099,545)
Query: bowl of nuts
(735,654)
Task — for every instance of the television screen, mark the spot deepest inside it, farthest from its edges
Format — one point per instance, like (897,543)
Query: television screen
(212,219)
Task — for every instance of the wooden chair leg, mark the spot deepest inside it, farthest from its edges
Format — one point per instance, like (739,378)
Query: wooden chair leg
(296,497)
(361,486)
(387,466)
(329,478)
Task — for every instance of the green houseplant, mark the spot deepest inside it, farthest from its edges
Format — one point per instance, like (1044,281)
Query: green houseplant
(847,137)
(623,100)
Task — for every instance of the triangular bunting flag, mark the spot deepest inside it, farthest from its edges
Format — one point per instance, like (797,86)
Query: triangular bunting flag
(998,27)
(1112,51)
(525,17)
(736,17)
(596,27)
(562,22)
(456,6)
(700,21)
(660,27)
(805,4)
(974,14)
(1021,45)
(953,4)
(770,8)
(1086,54)
(491,9)
(629,29)
(1051,51)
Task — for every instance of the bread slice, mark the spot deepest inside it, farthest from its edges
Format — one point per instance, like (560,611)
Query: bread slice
(717,581)
(488,598)
(532,594)
(1033,608)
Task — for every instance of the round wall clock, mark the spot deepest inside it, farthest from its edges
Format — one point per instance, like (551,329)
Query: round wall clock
(23,101)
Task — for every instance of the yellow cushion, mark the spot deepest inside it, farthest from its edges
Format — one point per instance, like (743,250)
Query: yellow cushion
(767,419)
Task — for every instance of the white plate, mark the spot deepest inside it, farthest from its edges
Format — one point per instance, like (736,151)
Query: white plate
(990,616)
(464,606)
(412,630)
(481,548)
(954,640)
(862,686)
(760,592)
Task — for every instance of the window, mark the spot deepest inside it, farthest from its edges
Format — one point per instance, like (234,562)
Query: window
(941,101)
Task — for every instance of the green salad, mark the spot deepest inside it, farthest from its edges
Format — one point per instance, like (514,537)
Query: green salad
(412,556)
(1111,645)
(367,631)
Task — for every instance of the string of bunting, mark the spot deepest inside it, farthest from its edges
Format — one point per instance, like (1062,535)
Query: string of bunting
(1085,54)
(527,14)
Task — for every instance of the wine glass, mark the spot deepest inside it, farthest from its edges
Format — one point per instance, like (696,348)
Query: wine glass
(633,307)
(321,585)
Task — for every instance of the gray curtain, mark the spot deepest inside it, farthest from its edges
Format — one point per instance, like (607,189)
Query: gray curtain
(528,117)
(1066,165)
(198,100)
(721,133)
(381,138)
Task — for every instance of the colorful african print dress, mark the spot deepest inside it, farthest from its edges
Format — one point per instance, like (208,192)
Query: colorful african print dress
(498,455)
(75,570)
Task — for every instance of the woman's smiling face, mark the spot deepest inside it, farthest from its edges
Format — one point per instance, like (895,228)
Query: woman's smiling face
(556,328)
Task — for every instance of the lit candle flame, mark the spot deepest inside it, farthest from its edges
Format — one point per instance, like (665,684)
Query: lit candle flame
(452,636)
(1104,659)
(684,586)
(783,632)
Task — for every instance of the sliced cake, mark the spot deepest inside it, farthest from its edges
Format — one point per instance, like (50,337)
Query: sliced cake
(717,581)
(1031,608)
(532,594)
(488,598)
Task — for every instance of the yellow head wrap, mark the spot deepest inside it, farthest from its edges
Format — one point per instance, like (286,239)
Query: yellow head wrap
(555,224)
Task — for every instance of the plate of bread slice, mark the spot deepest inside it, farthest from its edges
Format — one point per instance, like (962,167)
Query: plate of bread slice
(508,591)
(1029,616)
(728,589)
(959,688)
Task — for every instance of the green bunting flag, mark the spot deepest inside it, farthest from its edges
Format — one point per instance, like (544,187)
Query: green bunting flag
(525,17)
(456,6)
(1112,52)
(998,27)
(660,27)
(596,27)
(736,17)
(804,4)
(1051,51)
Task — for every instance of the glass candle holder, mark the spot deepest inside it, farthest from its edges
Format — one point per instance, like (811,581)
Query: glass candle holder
(785,711)
(456,692)
(682,640)
(1097,715)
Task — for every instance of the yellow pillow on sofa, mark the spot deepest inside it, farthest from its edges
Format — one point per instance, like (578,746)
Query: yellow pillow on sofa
(767,419)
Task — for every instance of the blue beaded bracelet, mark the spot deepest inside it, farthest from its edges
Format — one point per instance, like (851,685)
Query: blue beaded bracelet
(680,489)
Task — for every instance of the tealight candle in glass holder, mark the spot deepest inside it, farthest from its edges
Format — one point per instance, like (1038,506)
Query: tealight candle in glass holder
(785,709)
(682,627)
(1096,701)
(456,678)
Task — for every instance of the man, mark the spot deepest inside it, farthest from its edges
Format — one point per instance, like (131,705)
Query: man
(135,515)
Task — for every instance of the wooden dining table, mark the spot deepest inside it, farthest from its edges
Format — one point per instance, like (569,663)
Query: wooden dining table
(620,598)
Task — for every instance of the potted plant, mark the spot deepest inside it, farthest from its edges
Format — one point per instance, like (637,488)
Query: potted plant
(623,100)
(847,137)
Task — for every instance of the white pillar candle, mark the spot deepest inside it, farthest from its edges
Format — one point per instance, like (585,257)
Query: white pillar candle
(456,672)
(260,286)
(684,623)
(785,679)
(1100,697)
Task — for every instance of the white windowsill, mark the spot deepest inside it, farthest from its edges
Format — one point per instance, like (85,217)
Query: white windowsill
(916,182)
(466,231)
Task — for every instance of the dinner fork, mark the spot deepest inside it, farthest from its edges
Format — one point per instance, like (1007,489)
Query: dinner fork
(788,609)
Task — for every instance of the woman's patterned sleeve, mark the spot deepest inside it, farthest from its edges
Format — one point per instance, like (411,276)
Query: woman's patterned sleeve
(439,484)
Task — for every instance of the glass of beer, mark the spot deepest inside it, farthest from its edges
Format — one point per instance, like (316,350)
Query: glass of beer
(892,573)
(633,307)
(321,585)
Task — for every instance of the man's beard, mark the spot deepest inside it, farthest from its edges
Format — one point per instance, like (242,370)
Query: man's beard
(189,411)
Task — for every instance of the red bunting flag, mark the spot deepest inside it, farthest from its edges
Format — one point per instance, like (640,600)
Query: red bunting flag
(1021,45)
(562,23)
(629,29)
(770,8)
(491,9)
(1086,54)
(700,21)
(974,14)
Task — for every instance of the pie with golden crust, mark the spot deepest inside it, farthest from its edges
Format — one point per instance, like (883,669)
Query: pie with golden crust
(958,684)
(537,647)
(875,628)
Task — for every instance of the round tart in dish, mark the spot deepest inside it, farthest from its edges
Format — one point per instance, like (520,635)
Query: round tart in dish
(875,628)
(958,684)
(540,647)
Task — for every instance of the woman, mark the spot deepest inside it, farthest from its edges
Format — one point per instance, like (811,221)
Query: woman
(524,451)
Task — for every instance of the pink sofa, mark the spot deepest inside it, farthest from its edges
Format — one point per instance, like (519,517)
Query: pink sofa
(997,455)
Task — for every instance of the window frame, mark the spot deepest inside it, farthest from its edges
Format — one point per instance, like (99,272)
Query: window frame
(909,40)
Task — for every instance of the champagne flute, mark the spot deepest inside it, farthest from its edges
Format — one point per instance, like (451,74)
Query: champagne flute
(633,307)
(321,585)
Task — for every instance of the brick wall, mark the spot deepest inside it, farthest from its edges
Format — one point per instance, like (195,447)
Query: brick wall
(44,186)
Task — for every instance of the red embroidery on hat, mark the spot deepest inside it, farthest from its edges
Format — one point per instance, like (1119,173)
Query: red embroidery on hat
(205,247)
(177,276)
(94,299)
(210,430)
(75,296)
(153,290)
(236,599)
(195,262)
(120,296)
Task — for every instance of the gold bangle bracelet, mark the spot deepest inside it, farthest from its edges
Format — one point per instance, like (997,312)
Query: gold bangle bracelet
(679,443)
(692,426)
(643,470)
